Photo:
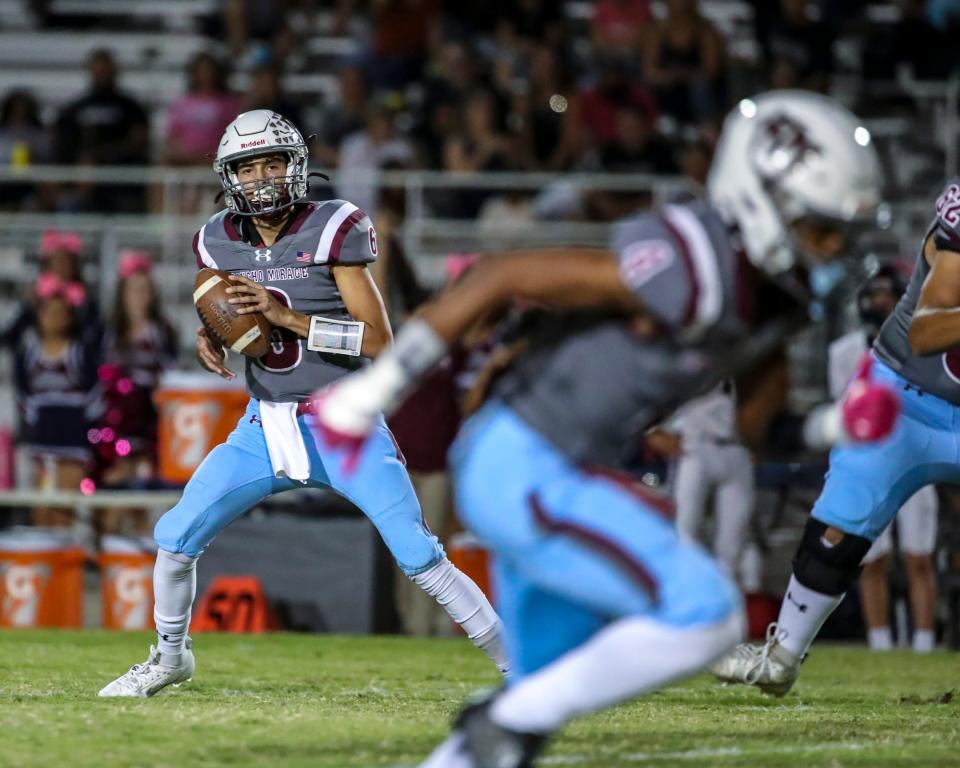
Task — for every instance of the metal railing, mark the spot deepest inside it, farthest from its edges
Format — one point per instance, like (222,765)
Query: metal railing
(425,233)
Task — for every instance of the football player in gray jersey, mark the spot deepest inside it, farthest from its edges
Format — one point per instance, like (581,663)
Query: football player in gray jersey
(601,600)
(915,353)
(302,266)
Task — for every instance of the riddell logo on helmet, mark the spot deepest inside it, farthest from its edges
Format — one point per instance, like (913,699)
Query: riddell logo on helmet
(257,143)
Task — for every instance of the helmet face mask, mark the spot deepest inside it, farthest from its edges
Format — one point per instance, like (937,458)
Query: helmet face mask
(257,135)
(263,196)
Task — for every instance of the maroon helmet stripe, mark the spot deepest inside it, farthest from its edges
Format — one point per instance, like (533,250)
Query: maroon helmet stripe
(348,223)
(684,247)
(598,542)
(662,505)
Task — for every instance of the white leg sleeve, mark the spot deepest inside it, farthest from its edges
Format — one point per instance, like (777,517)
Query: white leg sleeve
(466,604)
(174,587)
(802,613)
(628,658)
(734,508)
(691,491)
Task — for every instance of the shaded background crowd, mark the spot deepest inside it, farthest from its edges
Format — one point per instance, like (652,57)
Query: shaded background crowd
(97,269)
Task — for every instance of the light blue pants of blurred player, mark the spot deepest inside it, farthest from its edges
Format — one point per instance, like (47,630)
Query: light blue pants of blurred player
(867,484)
(573,550)
(237,475)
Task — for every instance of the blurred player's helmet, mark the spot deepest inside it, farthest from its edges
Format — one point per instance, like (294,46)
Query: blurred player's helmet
(784,156)
(256,133)
(878,295)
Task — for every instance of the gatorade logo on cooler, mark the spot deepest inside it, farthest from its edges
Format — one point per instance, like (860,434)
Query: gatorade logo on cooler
(132,595)
(22,587)
(192,426)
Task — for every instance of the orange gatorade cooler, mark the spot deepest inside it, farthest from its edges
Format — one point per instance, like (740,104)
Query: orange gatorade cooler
(126,578)
(197,412)
(471,558)
(41,579)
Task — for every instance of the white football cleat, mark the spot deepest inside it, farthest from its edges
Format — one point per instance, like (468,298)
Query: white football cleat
(770,667)
(146,679)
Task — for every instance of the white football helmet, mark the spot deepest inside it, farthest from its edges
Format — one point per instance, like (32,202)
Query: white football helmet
(262,132)
(786,155)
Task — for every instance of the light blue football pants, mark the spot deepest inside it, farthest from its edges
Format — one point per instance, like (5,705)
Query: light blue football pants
(867,484)
(573,549)
(237,475)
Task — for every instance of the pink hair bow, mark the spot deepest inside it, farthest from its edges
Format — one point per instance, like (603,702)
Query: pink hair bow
(50,285)
(133,261)
(54,240)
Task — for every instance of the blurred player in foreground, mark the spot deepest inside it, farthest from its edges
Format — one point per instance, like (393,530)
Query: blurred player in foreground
(303,266)
(601,599)
(917,518)
(866,485)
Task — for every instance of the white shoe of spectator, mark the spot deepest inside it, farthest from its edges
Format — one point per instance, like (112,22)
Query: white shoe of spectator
(146,679)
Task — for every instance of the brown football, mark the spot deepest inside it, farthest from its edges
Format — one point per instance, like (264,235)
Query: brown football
(247,334)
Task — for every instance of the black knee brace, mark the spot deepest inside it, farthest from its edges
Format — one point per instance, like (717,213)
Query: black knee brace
(825,567)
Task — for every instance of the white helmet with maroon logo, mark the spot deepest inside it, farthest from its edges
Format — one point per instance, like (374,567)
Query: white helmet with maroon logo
(789,155)
(256,133)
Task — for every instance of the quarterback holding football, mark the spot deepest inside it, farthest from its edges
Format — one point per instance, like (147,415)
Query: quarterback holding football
(284,281)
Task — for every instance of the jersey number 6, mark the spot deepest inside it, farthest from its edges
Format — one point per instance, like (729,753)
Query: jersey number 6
(286,351)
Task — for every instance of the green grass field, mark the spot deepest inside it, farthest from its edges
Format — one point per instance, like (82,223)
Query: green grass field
(333,702)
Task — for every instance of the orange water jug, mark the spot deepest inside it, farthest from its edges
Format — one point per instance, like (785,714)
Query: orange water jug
(197,412)
(126,582)
(41,579)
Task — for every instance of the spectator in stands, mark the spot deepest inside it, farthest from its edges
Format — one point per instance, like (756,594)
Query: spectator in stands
(685,62)
(804,44)
(552,116)
(480,145)
(368,150)
(196,121)
(23,142)
(535,20)
(695,161)
(105,127)
(401,40)
(139,344)
(345,116)
(619,27)
(60,253)
(250,20)
(265,91)
(395,276)
(55,377)
(599,103)
(638,147)
(451,78)
(913,44)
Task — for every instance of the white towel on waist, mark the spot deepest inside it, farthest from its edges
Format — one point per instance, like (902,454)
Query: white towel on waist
(288,454)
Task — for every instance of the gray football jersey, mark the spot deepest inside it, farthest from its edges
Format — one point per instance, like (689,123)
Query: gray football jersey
(590,385)
(937,374)
(296,270)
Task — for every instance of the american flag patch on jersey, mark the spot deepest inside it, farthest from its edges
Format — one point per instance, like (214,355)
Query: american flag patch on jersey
(304,256)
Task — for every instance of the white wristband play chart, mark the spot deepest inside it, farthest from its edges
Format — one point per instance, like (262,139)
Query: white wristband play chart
(336,337)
